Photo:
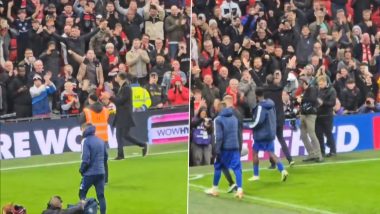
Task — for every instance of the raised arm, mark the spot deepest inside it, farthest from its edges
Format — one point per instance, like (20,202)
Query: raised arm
(88,36)
(77,8)
(9,15)
(120,9)
(161,12)
(76,56)
(37,11)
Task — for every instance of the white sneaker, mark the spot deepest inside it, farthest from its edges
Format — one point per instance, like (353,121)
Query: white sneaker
(254,178)
(284,175)
(212,191)
(232,188)
(239,194)
(291,164)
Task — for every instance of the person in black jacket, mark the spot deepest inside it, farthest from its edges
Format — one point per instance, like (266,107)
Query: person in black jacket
(324,123)
(308,116)
(75,42)
(19,91)
(155,91)
(54,206)
(37,38)
(123,119)
(273,90)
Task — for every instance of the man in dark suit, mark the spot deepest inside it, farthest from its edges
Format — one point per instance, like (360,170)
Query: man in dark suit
(123,119)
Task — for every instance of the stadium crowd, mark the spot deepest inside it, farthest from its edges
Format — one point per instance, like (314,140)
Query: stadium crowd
(53,54)
(315,59)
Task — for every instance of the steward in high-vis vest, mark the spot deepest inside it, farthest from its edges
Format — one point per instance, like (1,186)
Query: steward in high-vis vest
(98,115)
(140,97)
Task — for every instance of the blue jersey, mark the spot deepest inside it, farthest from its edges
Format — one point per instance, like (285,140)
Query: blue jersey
(226,131)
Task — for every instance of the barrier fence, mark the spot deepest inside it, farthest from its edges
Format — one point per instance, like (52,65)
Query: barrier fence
(20,139)
(25,138)
(351,133)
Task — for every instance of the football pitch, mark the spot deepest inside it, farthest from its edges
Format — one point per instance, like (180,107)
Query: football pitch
(153,184)
(348,183)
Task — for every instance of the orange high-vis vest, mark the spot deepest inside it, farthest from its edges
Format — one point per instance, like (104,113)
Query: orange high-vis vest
(100,121)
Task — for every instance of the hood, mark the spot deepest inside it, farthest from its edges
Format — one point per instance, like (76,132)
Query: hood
(175,79)
(89,131)
(97,107)
(227,112)
(267,104)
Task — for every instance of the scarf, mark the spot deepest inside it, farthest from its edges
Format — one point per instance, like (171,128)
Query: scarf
(234,95)
(367,55)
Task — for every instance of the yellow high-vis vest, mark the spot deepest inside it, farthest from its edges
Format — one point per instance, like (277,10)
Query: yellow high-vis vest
(140,97)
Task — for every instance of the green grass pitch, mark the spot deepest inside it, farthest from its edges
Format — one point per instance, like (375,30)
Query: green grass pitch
(348,183)
(154,184)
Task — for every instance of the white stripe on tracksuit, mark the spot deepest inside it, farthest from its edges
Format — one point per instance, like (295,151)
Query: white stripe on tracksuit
(257,119)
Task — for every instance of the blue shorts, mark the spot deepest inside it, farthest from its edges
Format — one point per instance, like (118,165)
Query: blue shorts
(229,160)
(263,146)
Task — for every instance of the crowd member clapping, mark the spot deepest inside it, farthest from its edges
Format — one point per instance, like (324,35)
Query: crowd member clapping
(91,42)
(303,43)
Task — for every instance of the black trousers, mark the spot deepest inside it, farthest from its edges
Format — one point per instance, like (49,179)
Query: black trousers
(323,127)
(284,147)
(281,140)
(106,165)
(122,135)
(23,110)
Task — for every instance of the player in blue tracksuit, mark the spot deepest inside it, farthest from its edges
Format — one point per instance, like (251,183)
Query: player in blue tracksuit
(264,133)
(226,148)
(94,153)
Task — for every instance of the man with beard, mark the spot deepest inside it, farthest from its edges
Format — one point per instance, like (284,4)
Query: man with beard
(160,68)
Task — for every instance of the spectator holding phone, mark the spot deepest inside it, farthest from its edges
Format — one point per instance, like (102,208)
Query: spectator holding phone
(370,106)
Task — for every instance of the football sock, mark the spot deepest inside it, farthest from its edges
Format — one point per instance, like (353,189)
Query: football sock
(280,167)
(239,178)
(217,175)
(256,169)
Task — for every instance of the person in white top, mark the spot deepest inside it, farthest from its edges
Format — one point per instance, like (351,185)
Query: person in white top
(230,9)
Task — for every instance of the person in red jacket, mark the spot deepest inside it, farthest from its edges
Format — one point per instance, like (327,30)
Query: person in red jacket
(178,94)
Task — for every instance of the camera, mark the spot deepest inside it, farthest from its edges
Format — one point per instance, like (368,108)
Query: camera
(368,102)
(207,121)
(290,114)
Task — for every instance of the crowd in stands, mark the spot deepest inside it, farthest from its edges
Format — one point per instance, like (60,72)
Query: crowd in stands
(53,54)
(331,47)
